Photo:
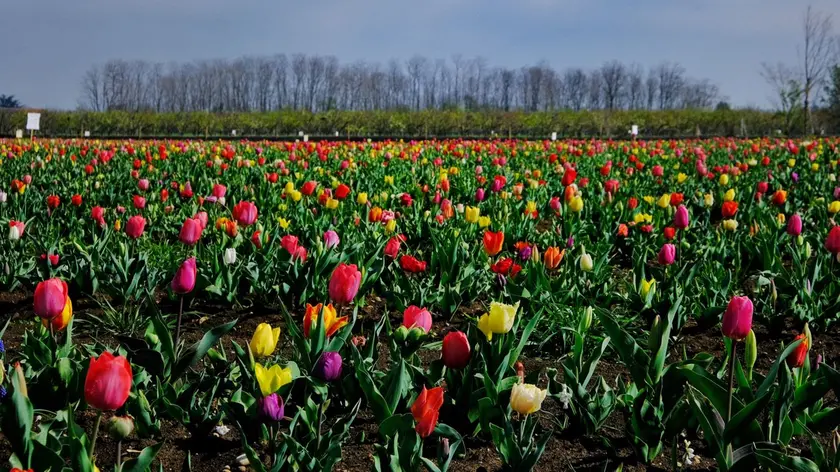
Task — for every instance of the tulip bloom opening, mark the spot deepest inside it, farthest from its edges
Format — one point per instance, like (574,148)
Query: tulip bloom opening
(426,409)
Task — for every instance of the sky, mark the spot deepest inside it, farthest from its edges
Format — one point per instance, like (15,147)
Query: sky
(49,44)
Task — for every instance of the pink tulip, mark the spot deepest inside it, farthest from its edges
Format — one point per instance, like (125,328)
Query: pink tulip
(190,231)
(50,298)
(681,219)
(344,283)
(794,227)
(419,317)
(331,239)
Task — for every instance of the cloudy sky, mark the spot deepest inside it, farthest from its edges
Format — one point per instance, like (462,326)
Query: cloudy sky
(48,44)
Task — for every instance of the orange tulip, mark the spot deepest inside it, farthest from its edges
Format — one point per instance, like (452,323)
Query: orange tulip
(553,257)
(493,242)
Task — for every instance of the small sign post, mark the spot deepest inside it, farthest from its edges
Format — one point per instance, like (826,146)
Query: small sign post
(33,123)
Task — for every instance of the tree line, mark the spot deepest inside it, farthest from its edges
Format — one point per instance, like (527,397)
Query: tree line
(317,83)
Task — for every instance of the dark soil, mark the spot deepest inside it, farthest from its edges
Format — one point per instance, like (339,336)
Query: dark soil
(566,451)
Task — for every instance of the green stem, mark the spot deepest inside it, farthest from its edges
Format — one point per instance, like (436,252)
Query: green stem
(119,455)
(178,329)
(731,379)
(95,435)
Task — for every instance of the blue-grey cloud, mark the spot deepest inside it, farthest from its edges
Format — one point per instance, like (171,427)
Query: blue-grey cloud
(48,44)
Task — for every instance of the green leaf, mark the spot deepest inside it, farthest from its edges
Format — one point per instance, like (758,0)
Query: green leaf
(738,424)
(143,462)
(523,340)
(770,379)
(396,424)
(193,354)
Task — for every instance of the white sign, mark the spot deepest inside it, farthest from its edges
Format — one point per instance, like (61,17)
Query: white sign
(306,138)
(233,132)
(33,121)
(300,133)
(19,133)
(336,133)
(87,134)
(554,136)
(634,130)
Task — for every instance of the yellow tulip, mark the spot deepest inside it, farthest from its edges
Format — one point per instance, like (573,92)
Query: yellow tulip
(332,203)
(780,218)
(586,263)
(526,398)
(283,222)
(472,214)
(531,207)
(117,225)
(834,207)
(664,201)
(729,195)
(647,287)
(499,320)
(642,218)
(295,195)
(576,205)
(289,188)
(815,167)
(681,177)
(483,221)
(730,225)
(389,179)
(390,226)
(362,198)
(724,179)
(708,200)
(649,199)
(264,340)
(791,162)
(272,379)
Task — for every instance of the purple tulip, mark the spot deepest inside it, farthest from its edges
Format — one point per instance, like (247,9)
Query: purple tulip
(525,253)
(328,367)
(570,243)
(737,320)
(794,176)
(271,408)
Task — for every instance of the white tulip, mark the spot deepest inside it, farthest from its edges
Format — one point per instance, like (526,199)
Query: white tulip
(229,256)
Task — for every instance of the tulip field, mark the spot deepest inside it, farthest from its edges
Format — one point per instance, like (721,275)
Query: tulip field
(456,305)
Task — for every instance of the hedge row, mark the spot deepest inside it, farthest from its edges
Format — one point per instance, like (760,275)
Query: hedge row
(430,123)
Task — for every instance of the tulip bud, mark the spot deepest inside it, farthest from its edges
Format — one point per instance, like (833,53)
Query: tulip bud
(400,334)
(807,333)
(653,337)
(271,408)
(415,335)
(121,427)
(328,367)
(807,251)
(774,295)
(229,256)
(152,338)
(20,385)
(751,353)
(586,319)
(737,319)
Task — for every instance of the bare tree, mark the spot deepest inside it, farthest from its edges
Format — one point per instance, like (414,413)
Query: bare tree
(635,87)
(671,79)
(92,98)
(576,87)
(787,89)
(815,56)
(613,77)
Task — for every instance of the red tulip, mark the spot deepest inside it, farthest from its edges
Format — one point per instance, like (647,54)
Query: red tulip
(569,177)
(108,382)
(245,213)
(76,200)
(729,209)
(676,199)
(737,320)
(426,409)
(419,317)
(669,232)
(411,264)
(134,226)
(794,227)
(832,241)
(190,231)
(406,200)
(456,350)
(184,280)
(139,202)
(796,358)
(53,202)
(342,191)
(51,298)
(308,188)
(219,190)
(344,283)
(97,214)
(392,248)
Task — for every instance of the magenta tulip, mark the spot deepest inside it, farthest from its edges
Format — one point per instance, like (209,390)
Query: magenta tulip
(50,298)
(667,254)
(184,280)
(415,316)
(794,227)
(832,242)
(737,320)
(134,226)
(681,218)
(245,213)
